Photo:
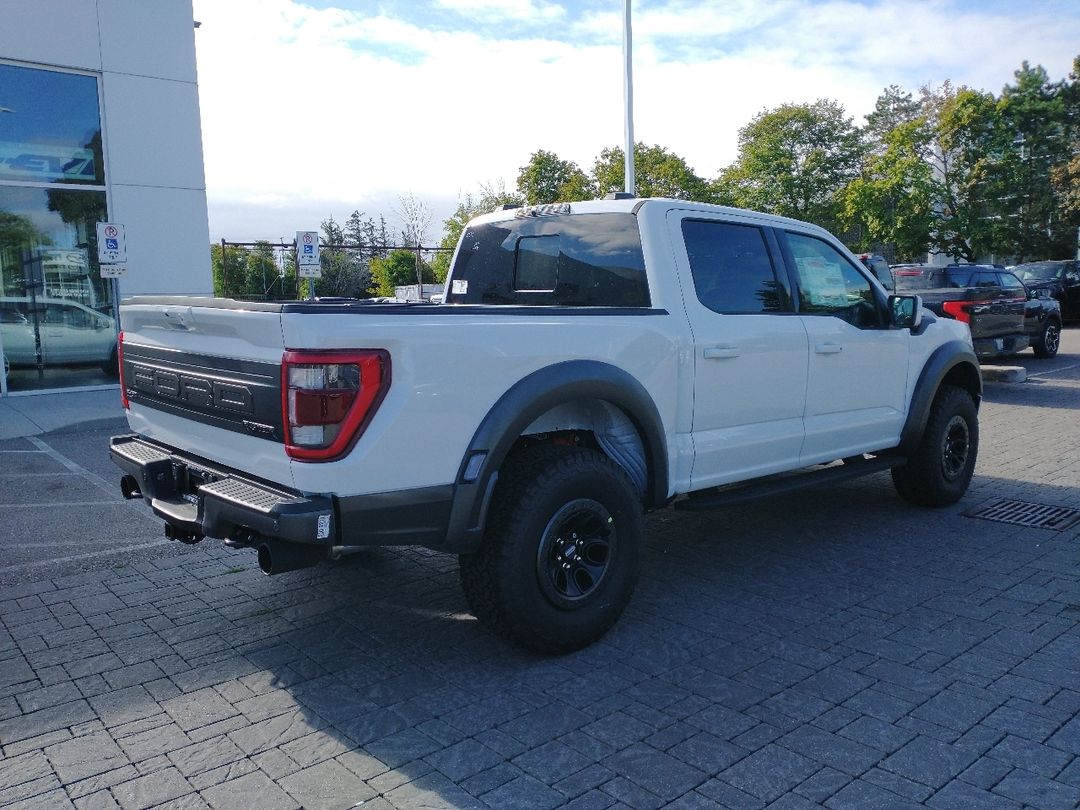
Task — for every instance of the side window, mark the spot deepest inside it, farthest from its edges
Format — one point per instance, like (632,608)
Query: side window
(732,271)
(985,280)
(1012,284)
(829,284)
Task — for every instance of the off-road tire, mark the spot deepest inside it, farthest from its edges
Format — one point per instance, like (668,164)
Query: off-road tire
(940,469)
(1049,340)
(520,585)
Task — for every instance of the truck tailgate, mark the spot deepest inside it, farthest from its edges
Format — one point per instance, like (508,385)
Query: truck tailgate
(215,366)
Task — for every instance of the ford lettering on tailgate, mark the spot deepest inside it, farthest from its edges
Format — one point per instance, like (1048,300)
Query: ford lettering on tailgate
(245,397)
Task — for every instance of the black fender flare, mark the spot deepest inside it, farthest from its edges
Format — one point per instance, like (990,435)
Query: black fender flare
(954,360)
(519,407)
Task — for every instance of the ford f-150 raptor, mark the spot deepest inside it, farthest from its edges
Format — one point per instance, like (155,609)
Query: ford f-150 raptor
(591,361)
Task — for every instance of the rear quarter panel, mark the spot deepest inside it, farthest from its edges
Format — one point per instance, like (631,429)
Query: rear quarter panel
(449,369)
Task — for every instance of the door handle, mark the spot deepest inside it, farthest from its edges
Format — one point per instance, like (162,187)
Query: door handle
(828,348)
(721,352)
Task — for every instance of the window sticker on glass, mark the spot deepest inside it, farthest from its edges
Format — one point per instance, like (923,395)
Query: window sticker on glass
(823,282)
(460,286)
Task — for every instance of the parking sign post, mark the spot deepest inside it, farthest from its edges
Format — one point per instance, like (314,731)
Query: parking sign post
(307,259)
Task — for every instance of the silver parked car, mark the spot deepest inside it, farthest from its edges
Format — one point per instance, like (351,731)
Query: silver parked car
(70,333)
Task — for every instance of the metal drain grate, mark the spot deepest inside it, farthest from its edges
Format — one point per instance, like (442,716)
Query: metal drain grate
(1022,513)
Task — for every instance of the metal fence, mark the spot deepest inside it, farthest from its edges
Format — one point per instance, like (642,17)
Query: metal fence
(284,259)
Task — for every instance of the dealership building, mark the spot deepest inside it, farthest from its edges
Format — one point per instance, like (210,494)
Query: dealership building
(99,123)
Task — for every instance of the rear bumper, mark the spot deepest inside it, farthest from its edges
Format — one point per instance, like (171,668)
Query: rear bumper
(195,497)
(1000,346)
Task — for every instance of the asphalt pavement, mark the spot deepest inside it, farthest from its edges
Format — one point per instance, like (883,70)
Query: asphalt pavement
(845,650)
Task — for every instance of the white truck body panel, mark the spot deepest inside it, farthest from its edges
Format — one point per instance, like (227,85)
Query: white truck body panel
(448,372)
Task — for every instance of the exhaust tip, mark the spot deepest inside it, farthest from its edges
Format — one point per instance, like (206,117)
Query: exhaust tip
(266,559)
(129,488)
(278,556)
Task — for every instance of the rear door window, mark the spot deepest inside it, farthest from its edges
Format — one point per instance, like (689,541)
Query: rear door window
(1013,286)
(985,280)
(732,269)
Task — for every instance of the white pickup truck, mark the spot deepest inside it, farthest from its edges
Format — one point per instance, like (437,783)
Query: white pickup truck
(591,361)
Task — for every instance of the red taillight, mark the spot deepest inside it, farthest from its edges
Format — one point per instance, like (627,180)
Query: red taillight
(120,368)
(328,398)
(961,310)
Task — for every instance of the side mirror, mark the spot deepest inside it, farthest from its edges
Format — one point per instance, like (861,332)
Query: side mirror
(906,311)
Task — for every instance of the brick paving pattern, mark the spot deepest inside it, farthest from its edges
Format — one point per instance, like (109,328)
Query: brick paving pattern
(844,650)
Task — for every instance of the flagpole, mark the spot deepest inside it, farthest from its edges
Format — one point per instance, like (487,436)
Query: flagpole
(628,99)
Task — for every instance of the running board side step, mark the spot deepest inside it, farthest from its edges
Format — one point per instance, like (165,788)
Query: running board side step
(773,486)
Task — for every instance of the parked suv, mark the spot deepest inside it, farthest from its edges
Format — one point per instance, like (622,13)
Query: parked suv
(1061,278)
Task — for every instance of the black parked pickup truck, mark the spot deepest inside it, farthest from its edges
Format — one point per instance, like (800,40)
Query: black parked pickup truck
(1003,315)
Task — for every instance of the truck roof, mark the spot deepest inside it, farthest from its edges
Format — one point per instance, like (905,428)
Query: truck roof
(633,205)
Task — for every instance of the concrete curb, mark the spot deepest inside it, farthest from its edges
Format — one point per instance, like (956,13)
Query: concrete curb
(1005,374)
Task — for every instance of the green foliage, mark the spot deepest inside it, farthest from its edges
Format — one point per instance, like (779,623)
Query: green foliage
(251,273)
(546,178)
(20,232)
(397,269)
(893,108)
(1034,218)
(795,161)
(890,207)
(657,173)
(344,257)
(968,142)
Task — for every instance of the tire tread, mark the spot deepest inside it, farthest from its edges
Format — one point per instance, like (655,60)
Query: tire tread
(525,475)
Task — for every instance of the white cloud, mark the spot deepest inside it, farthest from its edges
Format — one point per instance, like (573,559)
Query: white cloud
(329,110)
(499,10)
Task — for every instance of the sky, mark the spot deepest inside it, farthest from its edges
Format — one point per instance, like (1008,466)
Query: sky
(317,109)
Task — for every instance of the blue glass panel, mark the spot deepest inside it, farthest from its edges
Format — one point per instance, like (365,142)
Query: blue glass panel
(50,127)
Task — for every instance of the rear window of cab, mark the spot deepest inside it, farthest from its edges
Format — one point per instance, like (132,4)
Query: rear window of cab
(565,260)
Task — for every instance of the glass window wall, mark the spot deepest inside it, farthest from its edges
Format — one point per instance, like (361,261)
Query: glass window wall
(58,323)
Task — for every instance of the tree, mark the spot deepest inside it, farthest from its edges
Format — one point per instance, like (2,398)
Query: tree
(893,108)
(967,142)
(397,269)
(1065,177)
(343,273)
(657,173)
(795,161)
(252,273)
(890,206)
(1033,222)
(260,270)
(229,271)
(488,199)
(547,178)
(415,219)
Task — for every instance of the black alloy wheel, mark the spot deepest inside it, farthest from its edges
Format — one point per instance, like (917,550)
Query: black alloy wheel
(1049,340)
(954,448)
(575,551)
